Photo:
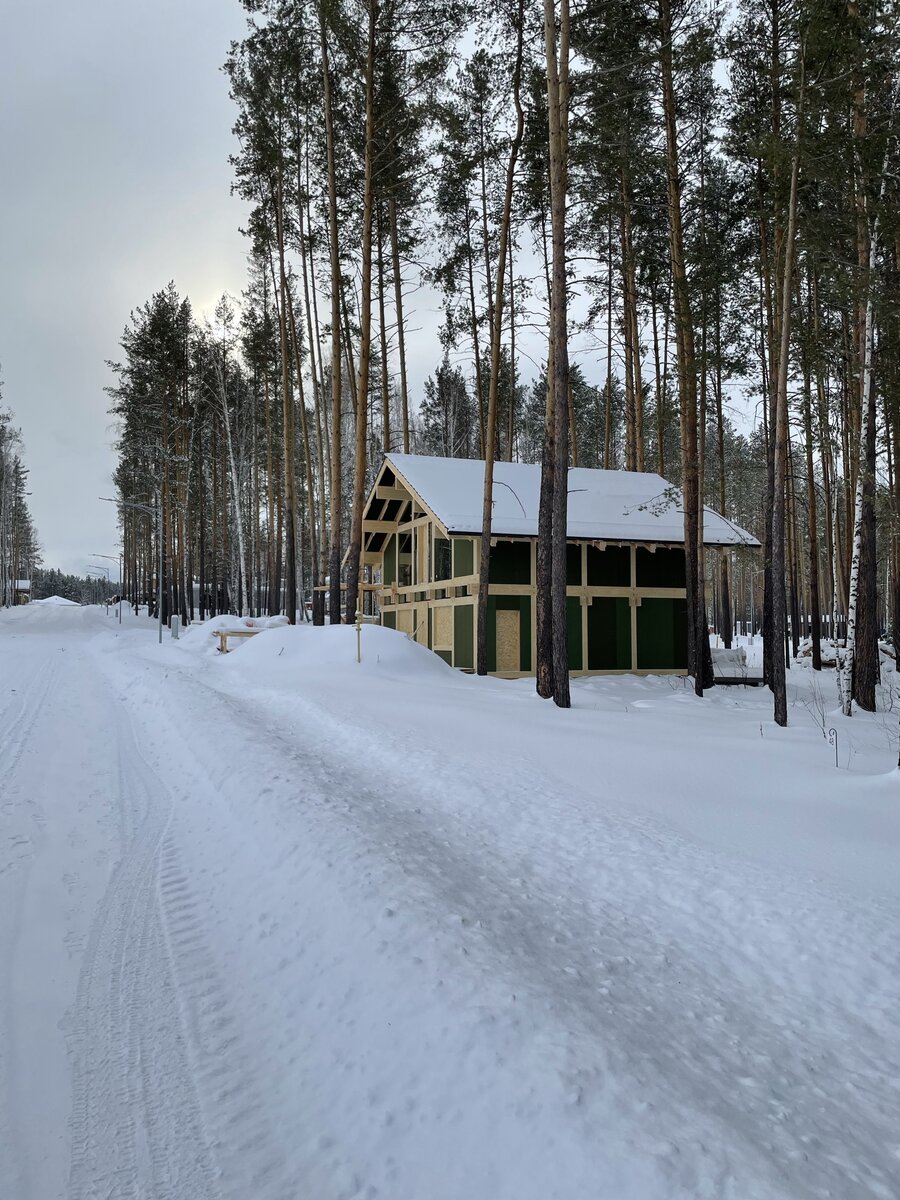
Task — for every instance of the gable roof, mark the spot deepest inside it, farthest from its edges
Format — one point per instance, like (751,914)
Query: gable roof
(628,506)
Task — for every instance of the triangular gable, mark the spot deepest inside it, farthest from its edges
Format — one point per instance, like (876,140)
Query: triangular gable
(380,510)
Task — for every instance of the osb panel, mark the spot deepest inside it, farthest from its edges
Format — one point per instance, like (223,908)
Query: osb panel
(443,627)
(405,620)
(422,626)
(508,625)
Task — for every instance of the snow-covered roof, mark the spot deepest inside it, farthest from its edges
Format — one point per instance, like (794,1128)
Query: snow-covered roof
(629,506)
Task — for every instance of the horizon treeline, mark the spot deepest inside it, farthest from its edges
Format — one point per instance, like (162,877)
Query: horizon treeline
(20,551)
(702,200)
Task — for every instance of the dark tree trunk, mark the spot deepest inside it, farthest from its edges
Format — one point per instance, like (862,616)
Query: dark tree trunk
(287,413)
(365,341)
(815,601)
(782,443)
(699,664)
(398,305)
(494,385)
(334,557)
(543,608)
(307,459)
(557,106)
(866,663)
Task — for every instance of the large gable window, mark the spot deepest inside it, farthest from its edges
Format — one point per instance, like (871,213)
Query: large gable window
(442,567)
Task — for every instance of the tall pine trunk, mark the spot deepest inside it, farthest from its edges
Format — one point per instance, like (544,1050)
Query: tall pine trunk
(494,385)
(698,639)
(334,557)
(365,340)
(398,305)
(287,410)
(778,680)
(865,434)
(558,116)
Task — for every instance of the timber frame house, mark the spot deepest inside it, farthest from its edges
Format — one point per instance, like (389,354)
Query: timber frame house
(626,583)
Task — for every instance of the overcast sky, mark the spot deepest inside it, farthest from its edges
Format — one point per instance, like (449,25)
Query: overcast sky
(115,131)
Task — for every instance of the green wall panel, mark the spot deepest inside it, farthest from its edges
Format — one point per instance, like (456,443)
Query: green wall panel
(573,618)
(609,634)
(610,567)
(511,562)
(390,560)
(463,557)
(464,636)
(525,635)
(661,568)
(389,620)
(573,564)
(662,635)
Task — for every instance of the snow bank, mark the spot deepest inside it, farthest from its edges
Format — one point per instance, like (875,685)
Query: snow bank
(514,953)
(197,634)
(284,654)
(57,600)
(322,651)
(328,929)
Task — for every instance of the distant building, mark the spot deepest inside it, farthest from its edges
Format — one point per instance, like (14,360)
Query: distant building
(627,604)
(22,591)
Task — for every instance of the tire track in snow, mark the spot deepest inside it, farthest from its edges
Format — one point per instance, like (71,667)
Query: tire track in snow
(646,1007)
(252,1163)
(20,819)
(136,1127)
(684,1028)
(13,743)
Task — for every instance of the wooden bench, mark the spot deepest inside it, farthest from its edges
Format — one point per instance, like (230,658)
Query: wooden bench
(224,634)
(738,680)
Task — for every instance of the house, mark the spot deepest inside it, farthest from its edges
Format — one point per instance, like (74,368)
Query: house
(22,590)
(626,571)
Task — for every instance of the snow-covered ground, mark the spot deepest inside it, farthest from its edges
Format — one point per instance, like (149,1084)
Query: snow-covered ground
(278,924)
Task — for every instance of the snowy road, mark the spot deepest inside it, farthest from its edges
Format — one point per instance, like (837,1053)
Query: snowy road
(262,944)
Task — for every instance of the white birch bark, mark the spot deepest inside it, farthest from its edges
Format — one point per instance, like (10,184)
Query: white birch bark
(235,486)
(867,381)
(867,384)
(835,592)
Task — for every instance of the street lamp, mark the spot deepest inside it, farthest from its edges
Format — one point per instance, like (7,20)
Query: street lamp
(154,512)
(112,558)
(97,567)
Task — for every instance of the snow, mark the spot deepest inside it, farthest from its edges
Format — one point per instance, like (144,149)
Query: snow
(614,505)
(282,924)
(57,600)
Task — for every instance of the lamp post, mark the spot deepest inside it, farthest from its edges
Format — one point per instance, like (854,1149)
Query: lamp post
(97,567)
(154,512)
(112,558)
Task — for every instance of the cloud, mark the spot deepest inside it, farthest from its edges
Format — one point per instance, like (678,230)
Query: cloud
(116,129)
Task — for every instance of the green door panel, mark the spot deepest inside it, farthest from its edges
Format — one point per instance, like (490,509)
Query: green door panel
(609,634)
(573,619)
(662,635)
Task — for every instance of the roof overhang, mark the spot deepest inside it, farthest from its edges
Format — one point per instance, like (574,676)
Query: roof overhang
(392,490)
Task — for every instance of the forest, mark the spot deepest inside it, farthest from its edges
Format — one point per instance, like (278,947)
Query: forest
(660,235)
(19,549)
(21,558)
